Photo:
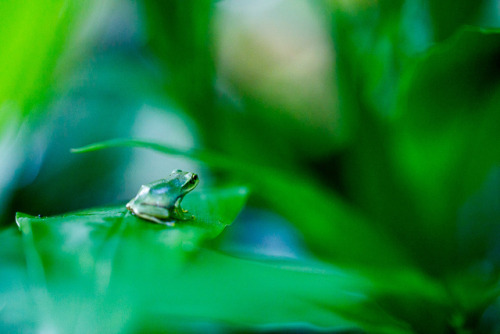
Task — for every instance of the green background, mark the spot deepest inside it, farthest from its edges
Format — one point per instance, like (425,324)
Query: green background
(359,140)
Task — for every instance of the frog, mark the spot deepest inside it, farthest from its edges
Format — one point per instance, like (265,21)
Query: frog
(160,201)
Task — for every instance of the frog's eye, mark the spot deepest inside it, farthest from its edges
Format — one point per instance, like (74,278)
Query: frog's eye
(194,179)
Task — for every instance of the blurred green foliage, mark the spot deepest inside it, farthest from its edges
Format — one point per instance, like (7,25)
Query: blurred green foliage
(370,126)
(32,38)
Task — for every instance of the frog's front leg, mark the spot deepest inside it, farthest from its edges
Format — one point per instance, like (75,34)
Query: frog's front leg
(181,214)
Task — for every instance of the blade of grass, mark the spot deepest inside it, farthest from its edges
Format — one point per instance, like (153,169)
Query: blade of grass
(333,229)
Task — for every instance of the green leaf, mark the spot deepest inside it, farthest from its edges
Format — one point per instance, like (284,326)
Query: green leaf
(44,29)
(447,132)
(333,229)
(479,247)
(479,227)
(15,302)
(415,298)
(104,269)
(448,16)
(214,210)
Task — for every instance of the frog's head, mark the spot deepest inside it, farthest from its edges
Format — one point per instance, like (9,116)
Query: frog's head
(187,181)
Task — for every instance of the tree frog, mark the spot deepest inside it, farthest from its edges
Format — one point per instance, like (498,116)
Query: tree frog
(160,201)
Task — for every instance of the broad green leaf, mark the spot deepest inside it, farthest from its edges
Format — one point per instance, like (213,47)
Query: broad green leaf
(214,210)
(15,302)
(106,270)
(447,132)
(334,230)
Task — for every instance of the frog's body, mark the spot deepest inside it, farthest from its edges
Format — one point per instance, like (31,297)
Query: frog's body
(160,201)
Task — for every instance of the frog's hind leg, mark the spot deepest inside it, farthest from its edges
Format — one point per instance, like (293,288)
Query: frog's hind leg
(156,220)
(155,214)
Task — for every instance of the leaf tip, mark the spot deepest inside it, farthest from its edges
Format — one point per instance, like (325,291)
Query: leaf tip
(21,219)
(83,149)
(244,191)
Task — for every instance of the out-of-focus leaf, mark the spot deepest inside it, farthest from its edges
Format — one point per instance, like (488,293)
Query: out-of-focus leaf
(479,247)
(448,16)
(32,36)
(479,226)
(16,311)
(488,321)
(375,44)
(332,228)
(34,42)
(104,269)
(446,132)
(411,296)
(270,294)
(179,32)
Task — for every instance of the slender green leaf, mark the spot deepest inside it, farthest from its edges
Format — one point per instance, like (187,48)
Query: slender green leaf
(334,230)
(447,132)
